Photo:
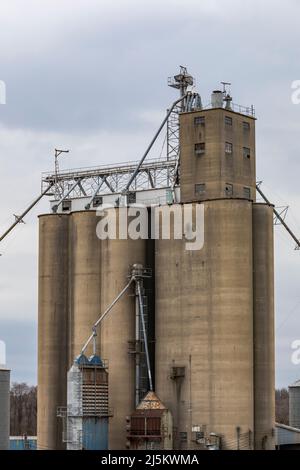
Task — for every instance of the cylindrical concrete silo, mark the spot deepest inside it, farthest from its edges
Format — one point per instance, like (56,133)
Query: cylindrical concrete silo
(84,280)
(263,311)
(52,327)
(294,404)
(204,329)
(118,330)
(4,408)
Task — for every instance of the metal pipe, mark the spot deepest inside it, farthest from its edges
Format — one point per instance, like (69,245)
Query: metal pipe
(54,208)
(137,343)
(18,219)
(152,142)
(145,335)
(104,315)
(279,217)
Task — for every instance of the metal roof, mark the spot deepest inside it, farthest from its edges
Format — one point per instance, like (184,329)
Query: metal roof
(295,384)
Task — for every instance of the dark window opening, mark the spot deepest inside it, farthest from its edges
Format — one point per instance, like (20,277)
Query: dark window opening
(199,189)
(228,121)
(247,193)
(66,206)
(131,198)
(97,201)
(246,152)
(246,126)
(199,121)
(228,148)
(183,436)
(229,189)
(200,148)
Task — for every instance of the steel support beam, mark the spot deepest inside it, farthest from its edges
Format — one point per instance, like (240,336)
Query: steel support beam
(279,217)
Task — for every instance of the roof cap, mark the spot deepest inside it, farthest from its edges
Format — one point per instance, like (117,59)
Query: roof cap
(151,402)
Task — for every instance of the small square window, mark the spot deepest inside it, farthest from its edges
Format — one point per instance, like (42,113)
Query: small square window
(199,189)
(97,201)
(228,147)
(229,189)
(183,436)
(246,126)
(247,193)
(200,148)
(131,198)
(199,121)
(228,121)
(246,152)
(66,206)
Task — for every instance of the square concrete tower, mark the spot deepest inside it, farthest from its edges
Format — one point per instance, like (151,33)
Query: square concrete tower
(217,155)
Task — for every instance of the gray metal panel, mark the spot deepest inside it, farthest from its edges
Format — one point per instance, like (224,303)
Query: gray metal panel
(4,408)
(285,435)
(294,406)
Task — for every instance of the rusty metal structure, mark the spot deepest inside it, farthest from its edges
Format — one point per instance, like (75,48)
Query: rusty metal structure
(150,426)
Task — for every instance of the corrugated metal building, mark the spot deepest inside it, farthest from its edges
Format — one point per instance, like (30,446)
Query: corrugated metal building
(287,437)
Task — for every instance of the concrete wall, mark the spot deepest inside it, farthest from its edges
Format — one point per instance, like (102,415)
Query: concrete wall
(215,168)
(204,323)
(263,320)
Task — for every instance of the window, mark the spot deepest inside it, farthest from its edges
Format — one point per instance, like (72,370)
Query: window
(131,198)
(228,148)
(228,121)
(97,201)
(177,372)
(199,121)
(247,193)
(183,436)
(229,189)
(66,206)
(200,148)
(246,152)
(246,126)
(199,189)
(199,435)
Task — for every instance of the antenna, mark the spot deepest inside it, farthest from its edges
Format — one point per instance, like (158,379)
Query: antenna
(57,153)
(225,85)
(227,94)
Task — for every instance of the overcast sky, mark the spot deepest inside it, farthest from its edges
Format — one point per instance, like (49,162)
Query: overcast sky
(91,76)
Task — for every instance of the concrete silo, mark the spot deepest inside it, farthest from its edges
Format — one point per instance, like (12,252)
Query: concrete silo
(4,407)
(84,280)
(79,276)
(263,321)
(52,327)
(204,328)
(118,344)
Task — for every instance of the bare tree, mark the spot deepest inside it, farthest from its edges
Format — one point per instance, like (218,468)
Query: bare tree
(282,406)
(23,406)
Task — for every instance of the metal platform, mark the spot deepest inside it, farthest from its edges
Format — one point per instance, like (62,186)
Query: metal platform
(88,182)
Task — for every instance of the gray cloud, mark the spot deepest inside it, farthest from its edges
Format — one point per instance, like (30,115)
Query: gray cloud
(91,76)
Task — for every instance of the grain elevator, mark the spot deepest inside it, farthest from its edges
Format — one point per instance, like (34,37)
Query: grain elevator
(208,312)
